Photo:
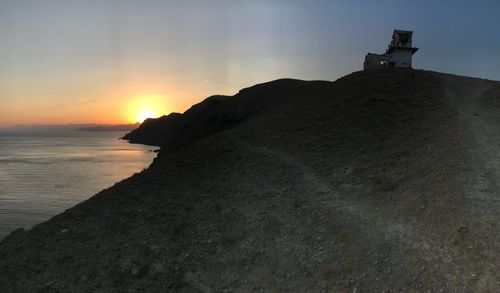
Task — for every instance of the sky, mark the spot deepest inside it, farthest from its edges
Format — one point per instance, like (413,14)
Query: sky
(118,61)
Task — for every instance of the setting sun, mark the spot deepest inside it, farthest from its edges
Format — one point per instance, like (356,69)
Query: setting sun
(145,114)
(143,107)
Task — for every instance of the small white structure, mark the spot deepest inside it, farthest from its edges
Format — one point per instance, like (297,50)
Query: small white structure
(398,54)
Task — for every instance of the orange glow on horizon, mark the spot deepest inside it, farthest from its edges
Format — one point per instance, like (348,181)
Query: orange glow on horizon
(129,102)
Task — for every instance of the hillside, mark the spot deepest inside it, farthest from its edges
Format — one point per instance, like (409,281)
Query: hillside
(380,181)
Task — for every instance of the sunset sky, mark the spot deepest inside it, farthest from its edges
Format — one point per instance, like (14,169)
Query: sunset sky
(105,61)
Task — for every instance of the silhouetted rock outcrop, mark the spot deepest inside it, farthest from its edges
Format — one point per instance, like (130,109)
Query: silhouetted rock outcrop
(156,131)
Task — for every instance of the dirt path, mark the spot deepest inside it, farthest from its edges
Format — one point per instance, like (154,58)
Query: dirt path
(468,98)
(326,198)
(401,257)
(482,125)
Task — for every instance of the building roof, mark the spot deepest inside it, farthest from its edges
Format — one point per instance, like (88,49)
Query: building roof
(393,48)
(402,31)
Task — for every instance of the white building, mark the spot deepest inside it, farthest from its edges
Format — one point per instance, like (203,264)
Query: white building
(398,54)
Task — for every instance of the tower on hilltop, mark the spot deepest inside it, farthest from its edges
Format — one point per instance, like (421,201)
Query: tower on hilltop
(398,54)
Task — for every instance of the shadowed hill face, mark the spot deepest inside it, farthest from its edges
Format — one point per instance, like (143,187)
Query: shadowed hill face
(379,181)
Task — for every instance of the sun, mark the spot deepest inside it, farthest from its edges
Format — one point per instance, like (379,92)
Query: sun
(144,114)
(142,107)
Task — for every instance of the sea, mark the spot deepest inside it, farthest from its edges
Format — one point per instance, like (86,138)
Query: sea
(43,173)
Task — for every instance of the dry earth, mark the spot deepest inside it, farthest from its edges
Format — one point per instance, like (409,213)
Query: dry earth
(384,181)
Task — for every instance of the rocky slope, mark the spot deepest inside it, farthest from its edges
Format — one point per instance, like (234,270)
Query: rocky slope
(385,180)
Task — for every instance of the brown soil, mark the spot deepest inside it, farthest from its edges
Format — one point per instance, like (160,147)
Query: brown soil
(380,181)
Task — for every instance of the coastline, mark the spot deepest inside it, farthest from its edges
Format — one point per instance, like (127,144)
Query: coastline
(45,173)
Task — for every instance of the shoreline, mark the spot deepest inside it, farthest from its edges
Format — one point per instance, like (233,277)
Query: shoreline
(67,171)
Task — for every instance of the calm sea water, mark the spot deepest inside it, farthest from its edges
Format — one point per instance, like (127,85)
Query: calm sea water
(45,173)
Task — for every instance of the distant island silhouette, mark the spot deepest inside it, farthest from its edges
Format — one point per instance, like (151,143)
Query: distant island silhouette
(78,127)
(120,127)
